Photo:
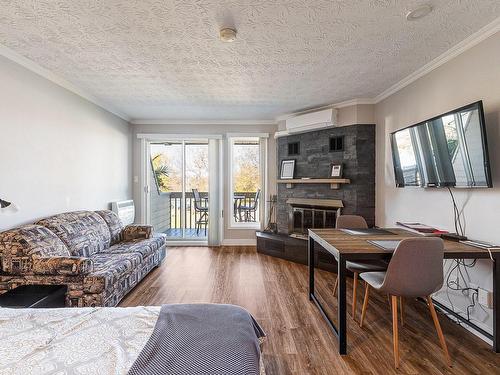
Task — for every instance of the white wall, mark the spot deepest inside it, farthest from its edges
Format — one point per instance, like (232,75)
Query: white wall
(473,75)
(231,236)
(58,152)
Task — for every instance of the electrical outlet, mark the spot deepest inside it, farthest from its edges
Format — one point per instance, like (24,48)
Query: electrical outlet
(485,298)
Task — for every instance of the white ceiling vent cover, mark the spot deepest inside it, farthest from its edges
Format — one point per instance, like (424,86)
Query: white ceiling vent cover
(310,121)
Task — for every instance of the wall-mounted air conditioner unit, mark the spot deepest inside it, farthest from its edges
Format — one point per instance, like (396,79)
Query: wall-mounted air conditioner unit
(309,121)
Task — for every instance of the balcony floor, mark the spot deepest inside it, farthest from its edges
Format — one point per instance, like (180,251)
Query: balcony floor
(190,233)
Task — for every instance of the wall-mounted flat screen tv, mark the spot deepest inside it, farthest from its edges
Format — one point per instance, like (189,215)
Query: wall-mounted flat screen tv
(449,150)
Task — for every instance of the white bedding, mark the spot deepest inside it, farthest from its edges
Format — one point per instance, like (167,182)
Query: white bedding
(74,340)
(90,341)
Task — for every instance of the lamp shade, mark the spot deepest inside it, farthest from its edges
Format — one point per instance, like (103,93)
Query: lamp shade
(7,207)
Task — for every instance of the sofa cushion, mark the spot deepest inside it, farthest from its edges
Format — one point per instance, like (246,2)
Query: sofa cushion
(19,245)
(84,232)
(114,224)
(109,269)
(143,247)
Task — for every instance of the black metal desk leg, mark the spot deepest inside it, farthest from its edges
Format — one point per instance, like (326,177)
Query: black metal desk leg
(342,306)
(496,303)
(310,260)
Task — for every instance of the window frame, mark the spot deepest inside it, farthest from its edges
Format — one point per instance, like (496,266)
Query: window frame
(262,140)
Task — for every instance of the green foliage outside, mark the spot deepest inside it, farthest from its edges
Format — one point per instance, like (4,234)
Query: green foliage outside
(161,172)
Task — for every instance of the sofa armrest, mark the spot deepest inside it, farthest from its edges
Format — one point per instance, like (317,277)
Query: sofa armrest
(137,232)
(69,266)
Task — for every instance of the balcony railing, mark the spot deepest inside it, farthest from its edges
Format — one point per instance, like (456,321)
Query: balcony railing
(190,215)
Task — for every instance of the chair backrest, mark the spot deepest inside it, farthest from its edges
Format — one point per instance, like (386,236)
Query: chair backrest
(197,199)
(351,222)
(196,194)
(256,199)
(416,268)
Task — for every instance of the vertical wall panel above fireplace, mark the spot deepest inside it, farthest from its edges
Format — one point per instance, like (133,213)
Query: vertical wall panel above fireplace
(315,160)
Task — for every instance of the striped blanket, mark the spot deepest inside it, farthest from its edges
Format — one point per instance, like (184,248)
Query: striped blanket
(202,339)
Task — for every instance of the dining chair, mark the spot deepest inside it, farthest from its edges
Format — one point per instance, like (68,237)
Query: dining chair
(202,210)
(249,212)
(415,270)
(358,267)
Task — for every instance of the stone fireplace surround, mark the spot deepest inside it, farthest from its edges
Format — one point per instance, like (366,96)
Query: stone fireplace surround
(315,160)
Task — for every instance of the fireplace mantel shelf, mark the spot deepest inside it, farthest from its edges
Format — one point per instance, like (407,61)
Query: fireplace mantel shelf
(334,183)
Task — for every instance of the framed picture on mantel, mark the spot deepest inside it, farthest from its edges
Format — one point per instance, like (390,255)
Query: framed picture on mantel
(336,171)
(287,169)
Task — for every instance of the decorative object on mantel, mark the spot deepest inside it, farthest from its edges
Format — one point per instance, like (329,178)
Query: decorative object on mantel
(336,171)
(7,207)
(287,169)
(272,226)
(334,182)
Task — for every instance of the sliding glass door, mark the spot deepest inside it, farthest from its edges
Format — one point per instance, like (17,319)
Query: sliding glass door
(178,195)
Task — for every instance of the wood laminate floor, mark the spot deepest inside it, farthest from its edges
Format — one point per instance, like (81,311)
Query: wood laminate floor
(299,341)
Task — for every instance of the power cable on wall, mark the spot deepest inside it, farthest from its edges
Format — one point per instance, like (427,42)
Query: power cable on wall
(455,279)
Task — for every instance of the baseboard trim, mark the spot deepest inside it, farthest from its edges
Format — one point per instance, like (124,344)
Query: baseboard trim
(239,242)
(186,243)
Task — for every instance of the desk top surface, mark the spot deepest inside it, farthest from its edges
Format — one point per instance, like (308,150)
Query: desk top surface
(337,241)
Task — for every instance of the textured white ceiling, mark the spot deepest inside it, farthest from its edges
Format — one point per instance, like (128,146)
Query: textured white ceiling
(162,59)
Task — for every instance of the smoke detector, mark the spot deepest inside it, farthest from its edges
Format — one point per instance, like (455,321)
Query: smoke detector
(227,35)
(419,12)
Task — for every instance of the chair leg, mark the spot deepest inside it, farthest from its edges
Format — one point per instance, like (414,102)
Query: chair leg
(354,294)
(395,338)
(402,312)
(438,330)
(365,304)
(335,286)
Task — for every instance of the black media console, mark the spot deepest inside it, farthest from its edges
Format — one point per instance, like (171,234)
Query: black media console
(292,249)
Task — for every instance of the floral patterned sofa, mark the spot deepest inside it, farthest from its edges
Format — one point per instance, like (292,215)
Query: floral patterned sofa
(98,259)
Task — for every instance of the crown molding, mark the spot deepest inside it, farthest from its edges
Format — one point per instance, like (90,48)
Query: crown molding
(359,101)
(459,48)
(201,122)
(47,74)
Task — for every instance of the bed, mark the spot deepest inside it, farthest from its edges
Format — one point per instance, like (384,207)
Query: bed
(107,340)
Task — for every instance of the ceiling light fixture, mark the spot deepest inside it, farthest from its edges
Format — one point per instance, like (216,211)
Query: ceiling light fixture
(419,12)
(227,34)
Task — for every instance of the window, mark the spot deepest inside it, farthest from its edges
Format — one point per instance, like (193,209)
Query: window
(246,181)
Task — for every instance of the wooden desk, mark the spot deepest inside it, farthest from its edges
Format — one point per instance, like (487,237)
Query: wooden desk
(346,247)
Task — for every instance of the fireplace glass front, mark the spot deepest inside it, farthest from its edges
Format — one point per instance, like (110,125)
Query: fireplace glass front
(301,219)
